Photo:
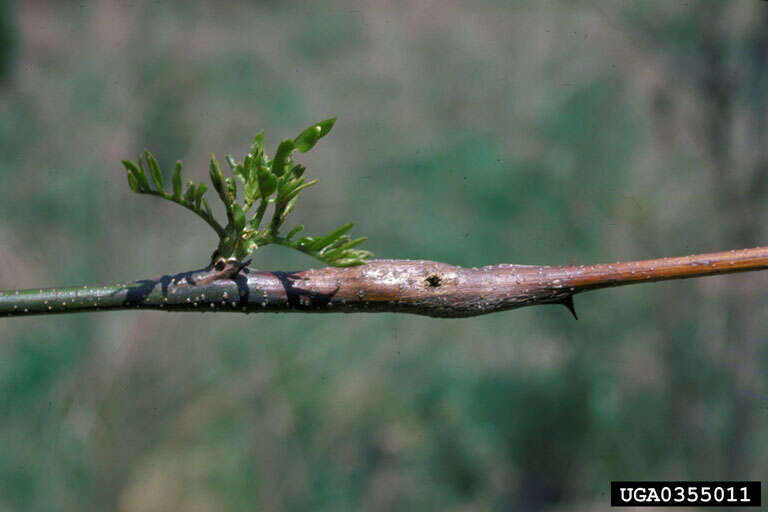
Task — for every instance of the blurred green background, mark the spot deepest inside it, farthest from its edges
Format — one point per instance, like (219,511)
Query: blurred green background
(469,132)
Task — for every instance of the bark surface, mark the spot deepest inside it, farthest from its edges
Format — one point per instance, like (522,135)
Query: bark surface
(396,286)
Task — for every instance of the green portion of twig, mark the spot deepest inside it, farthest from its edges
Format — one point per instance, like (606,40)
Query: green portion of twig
(277,182)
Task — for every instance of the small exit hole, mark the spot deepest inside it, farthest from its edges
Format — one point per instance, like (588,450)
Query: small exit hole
(434,281)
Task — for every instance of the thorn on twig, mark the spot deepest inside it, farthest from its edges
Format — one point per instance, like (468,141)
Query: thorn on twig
(568,303)
(243,265)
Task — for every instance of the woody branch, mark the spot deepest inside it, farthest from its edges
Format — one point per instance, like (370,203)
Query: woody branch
(398,286)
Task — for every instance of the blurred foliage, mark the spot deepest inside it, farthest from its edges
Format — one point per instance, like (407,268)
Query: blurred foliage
(6,39)
(470,133)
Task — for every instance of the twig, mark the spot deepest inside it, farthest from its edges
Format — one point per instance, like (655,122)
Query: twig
(396,286)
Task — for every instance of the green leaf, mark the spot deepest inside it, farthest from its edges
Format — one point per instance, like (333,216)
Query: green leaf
(288,209)
(247,168)
(133,182)
(282,157)
(207,208)
(295,192)
(177,181)
(189,193)
(305,242)
(309,137)
(258,143)
(294,231)
(251,192)
(154,170)
(201,189)
(238,218)
(358,258)
(286,184)
(267,182)
(141,177)
(133,176)
(330,237)
(130,167)
(238,169)
(217,178)
(231,188)
(226,246)
(339,251)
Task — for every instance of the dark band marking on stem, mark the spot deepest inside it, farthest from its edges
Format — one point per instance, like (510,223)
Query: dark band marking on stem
(396,286)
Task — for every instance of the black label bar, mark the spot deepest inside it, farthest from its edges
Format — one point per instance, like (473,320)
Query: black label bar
(685,494)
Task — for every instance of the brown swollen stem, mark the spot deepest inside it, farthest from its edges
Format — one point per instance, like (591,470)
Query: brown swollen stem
(398,286)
